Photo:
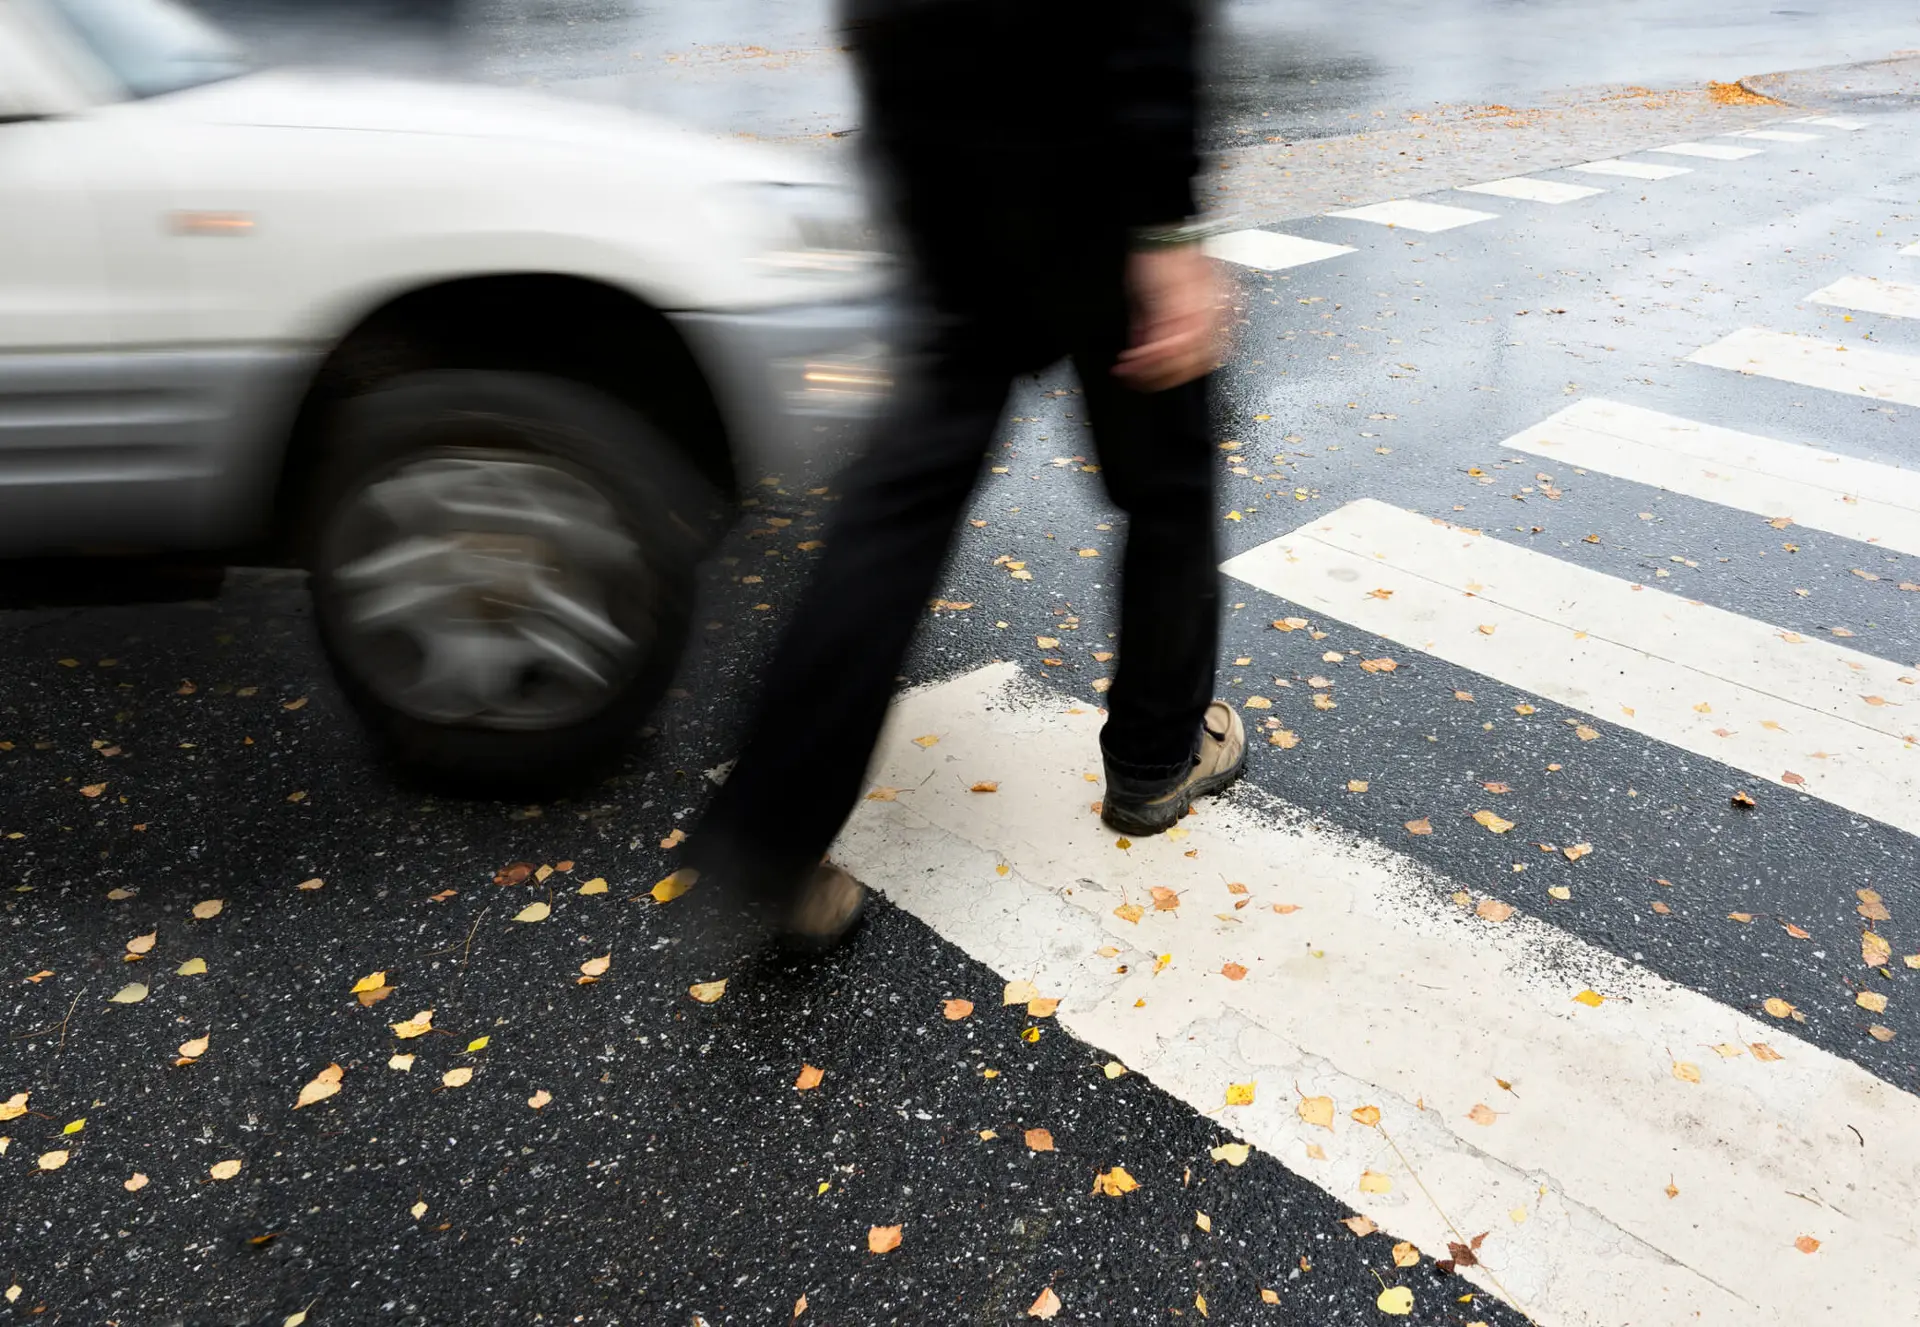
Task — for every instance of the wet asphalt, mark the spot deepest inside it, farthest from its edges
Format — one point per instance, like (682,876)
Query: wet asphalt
(673,1173)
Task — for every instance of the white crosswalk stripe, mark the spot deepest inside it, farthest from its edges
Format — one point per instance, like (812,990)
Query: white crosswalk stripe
(1375,990)
(1834,122)
(1632,170)
(1836,723)
(1858,369)
(1780,135)
(1710,151)
(1529,190)
(1412,214)
(1875,504)
(1869,294)
(1270,250)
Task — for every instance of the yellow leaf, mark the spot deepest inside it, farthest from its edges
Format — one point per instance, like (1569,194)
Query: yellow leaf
(1200,1304)
(1395,1300)
(1240,1094)
(14,1106)
(1405,1255)
(52,1160)
(401,1060)
(224,1170)
(1523,710)
(208,908)
(75,1126)
(706,992)
(1874,950)
(140,944)
(1359,1225)
(1234,1154)
(194,1049)
(1042,1008)
(1367,1115)
(539,1099)
(1315,1152)
(1235,516)
(883,1239)
(1492,821)
(1283,738)
(1577,851)
(534,912)
(1777,1007)
(598,885)
(324,1085)
(1372,1181)
(1019,992)
(1560,892)
(1114,1182)
(1269,1296)
(1258,703)
(596,967)
(929,740)
(666,891)
(477,1044)
(417,1026)
(1872,1001)
(1030,1035)
(1420,827)
(418,1210)
(193,967)
(132,993)
(1045,1306)
(1586,733)
(1357,785)
(371,982)
(1686,1073)
(1316,1110)
(457,1077)
(134,1182)
(315,883)
(1591,999)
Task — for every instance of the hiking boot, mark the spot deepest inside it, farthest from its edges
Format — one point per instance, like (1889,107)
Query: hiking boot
(825,910)
(1154,806)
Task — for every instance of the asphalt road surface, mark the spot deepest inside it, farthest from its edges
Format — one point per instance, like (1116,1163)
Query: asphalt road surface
(1573,544)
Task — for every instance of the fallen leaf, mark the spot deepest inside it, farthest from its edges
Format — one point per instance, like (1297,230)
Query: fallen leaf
(1560,892)
(540,1098)
(1872,907)
(809,1078)
(929,740)
(1685,1072)
(1367,1115)
(1018,992)
(1284,739)
(324,1085)
(1872,1001)
(671,888)
(315,883)
(1286,909)
(93,790)
(1359,1225)
(1482,1115)
(985,786)
(1164,899)
(373,981)
(1115,1182)
(1322,701)
(208,908)
(534,912)
(1316,1110)
(1421,826)
(1806,1244)
(53,1160)
(1880,1033)
(955,1010)
(1493,910)
(1114,1069)
(1492,821)
(194,1049)
(1130,912)
(1043,1007)
(598,885)
(1039,1140)
(1233,972)
(674,839)
(1357,785)
(706,992)
(514,873)
(134,1182)
(140,944)
(1743,799)
(417,1026)
(883,1239)
(132,993)
(1273,1296)
(1258,703)
(1586,733)
(1234,1154)
(1045,1306)
(1875,951)
(457,1077)
(225,1170)
(1744,918)
(1591,999)
(1405,1255)
(1763,1052)
(1372,1181)
(1577,851)
(401,1061)
(1240,1094)
(1378,665)
(1202,1220)
(1523,709)
(1777,1007)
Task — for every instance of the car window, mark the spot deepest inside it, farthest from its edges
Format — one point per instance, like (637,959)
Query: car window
(152,47)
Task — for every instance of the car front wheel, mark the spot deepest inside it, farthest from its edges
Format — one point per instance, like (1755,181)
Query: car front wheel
(502,574)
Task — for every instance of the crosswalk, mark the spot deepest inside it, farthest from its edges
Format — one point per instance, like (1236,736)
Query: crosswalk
(1257,946)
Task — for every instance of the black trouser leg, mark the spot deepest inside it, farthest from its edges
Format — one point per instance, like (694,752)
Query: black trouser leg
(831,678)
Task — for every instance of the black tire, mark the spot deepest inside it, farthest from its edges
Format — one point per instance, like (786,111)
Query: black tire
(573,436)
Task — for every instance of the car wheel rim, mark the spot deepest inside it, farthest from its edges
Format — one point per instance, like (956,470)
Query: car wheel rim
(488,589)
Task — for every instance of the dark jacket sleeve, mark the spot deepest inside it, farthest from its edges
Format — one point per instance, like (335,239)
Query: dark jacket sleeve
(1152,92)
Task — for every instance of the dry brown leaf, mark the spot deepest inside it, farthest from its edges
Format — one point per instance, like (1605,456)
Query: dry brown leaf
(809,1078)
(1039,1140)
(208,908)
(1359,1225)
(1493,910)
(540,1098)
(1258,703)
(706,992)
(1316,1110)
(1586,733)
(674,839)
(883,1239)
(1113,1183)
(1492,821)
(1880,1032)
(1483,1115)
(457,1077)
(1763,1052)
(225,1170)
(1367,1115)
(1273,1296)
(1806,1244)
(1872,906)
(537,911)
(93,790)
(1405,1255)
(1233,972)
(417,1026)
(1577,851)
(955,1010)
(1046,1305)
(986,786)
(883,795)
(1164,899)
(1875,951)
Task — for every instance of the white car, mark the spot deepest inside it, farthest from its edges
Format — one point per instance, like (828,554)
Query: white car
(477,359)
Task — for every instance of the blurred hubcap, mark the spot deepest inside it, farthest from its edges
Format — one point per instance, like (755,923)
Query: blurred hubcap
(489,589)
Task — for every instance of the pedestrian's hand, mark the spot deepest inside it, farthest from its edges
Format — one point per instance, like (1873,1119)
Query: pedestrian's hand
(1178,321)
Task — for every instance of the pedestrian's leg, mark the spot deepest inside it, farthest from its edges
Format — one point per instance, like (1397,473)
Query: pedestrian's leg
(1157,460)
(831,679)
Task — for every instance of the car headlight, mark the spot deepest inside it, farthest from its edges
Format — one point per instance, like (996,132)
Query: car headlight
(809,228)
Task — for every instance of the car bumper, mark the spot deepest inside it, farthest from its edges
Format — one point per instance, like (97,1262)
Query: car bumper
(777,374)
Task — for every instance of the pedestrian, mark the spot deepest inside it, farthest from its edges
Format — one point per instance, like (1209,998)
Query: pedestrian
(1039,159)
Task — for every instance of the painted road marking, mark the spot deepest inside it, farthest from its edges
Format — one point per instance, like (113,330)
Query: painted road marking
(1911,251)
(1836,720)
(1780,135)
(1269,250)
(1529,190)
(1858,370)
(1380,992)
(1876,504)
(1833,122)
(1871,295)
(1410,214)
(1712,151)
(1633,170)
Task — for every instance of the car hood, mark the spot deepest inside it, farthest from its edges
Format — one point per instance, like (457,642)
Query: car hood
(301,99)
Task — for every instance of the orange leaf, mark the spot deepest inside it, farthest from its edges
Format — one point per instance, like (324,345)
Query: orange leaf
(1233,972)
(883,1239)
(955,1010)
(809,1078)
(1039,1140)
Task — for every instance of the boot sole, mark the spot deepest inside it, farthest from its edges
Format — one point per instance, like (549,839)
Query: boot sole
(1159,817)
